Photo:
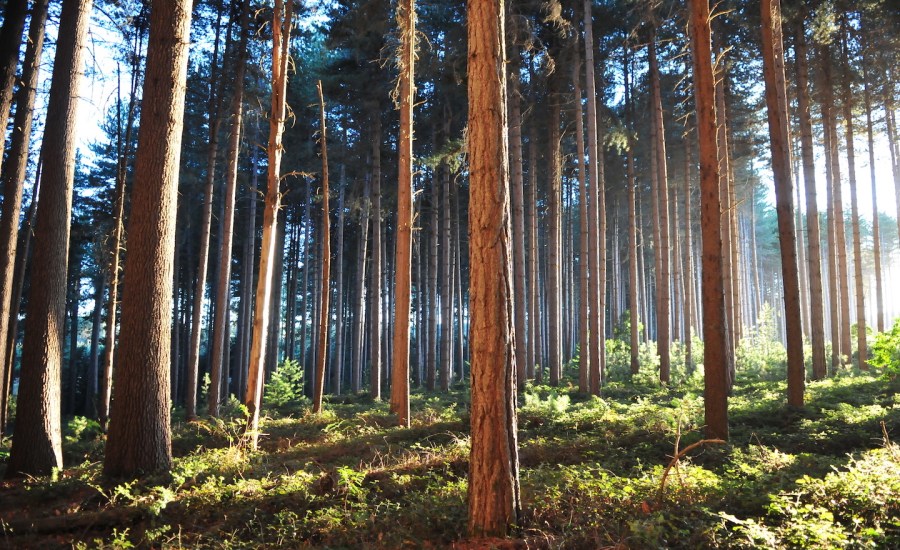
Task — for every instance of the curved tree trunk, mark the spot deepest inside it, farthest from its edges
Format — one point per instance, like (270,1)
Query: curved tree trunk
(324,316)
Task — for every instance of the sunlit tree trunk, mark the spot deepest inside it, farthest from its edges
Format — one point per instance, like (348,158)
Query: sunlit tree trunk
(876,229)
(554,242)
(518,215)
(359,322)
(634,307)
(406,17)
(493,463)
(776,103)
(281,27)
(534,308)
(584,337)
(713,291)
(325,273)
(139,431)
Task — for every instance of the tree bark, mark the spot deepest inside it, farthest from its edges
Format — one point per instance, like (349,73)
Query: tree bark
(634,309)
(554,242)
(375,314)
(584,337)
(494,501)
(281,27)
(776,103)
(406,16)
(713,291)
(221,332)
(325,315)
(10,40)
(37,440)
(876,229)
(12,175)
(817,315)
(139,432)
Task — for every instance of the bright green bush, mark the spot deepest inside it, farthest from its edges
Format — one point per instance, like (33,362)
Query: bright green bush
(285,385)
(886,351)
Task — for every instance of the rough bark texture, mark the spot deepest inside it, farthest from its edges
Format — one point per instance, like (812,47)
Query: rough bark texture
(37,439)
(10,39)
(634,309)
(776,103)
(713,291)
(13,180)
(517,191)
(139,432)
(554,241)
(493,462)
(584,335)
(406,16)
(281,26)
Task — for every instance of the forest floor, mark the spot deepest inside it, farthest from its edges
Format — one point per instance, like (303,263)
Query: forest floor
(591,469)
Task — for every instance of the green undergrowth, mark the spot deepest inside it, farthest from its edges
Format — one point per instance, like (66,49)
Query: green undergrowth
(823,476)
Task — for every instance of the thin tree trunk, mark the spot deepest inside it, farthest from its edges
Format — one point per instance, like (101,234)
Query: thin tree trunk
(689,259)
(776,103)
(554,241)
(324,317)
(584,273)
(406,16)
(221,328)
(10,40)
(338,357)
(359,324)
(534,307)
(633,306)
(281,27)
(817,315)
(876,229)
(446,368)
(518,220)
(375,314)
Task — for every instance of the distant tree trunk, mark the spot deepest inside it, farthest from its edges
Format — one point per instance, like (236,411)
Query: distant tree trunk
(37,440)
(596,215)
(73,287)
(584,338)
(713,291)
(892,139)
(554,242)
(518,218)
(14,168)
(10,40)
(534,306)
(139,431)
(663,297)
(281,27)
(817,315)
(90,388)
(446,368)
(375,314)
(358,356)
(338,357)
(876,229)
(324,317)
(689,259)
(776,103)
(217,87)
(433,313)
(633,307)
(494,502)
(221,332)
(837,202)
(406,16)
(854,203)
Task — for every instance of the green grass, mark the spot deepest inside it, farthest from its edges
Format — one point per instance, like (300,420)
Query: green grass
(823,476)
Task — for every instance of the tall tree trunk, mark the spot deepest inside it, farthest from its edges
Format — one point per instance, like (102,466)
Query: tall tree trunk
(633,307)
(217,88)
(876,229)
(837,201)
(281,27)
(10,40)
(854,203)
(534,306)
(446,368)
(689,259)
(406,16)
(517,190)
(433,313)
(494,502)
(90,387)
(817,315)
(37,440)
(584,273)
(13,171)
(375,314)
(776,103)
(554,242)
(596,215)
(325,315)
(358,357)
(139,431)
(338,358)
(221,333)
(661,195)
(713,294)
